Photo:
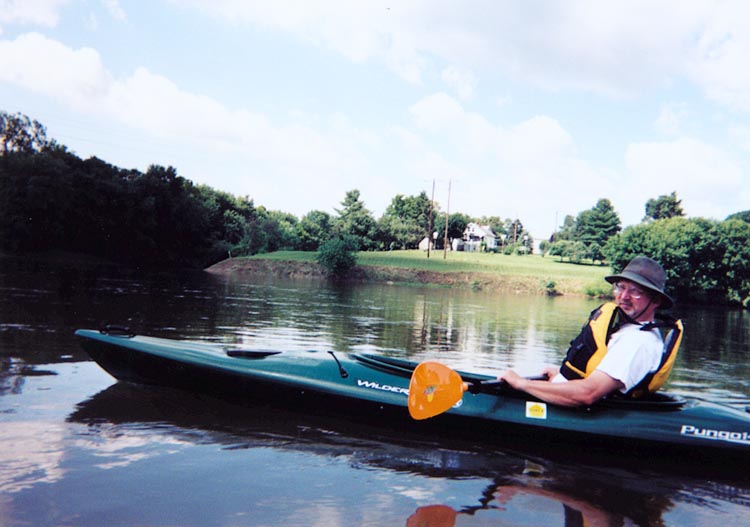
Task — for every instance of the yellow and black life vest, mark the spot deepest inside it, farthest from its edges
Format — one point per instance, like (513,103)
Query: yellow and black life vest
(588,349)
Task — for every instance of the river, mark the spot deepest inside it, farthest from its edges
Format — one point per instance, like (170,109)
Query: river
(79,449)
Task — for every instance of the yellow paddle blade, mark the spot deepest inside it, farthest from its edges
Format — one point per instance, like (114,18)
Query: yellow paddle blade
(434,389)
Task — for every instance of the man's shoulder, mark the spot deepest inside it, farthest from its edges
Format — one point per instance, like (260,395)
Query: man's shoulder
(634,333)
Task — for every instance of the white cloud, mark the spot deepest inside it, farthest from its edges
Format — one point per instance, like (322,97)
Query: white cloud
(707,179)
(30,12)
(156,107)
(671,118)
(739,136)
(115,10)
(360,31)
(719,64)
(45,66)
(531,168)
(615,47)
(463,83)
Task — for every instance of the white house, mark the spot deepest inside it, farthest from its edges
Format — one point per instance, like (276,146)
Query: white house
(479,237)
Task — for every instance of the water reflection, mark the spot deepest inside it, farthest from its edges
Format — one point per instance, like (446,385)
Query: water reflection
(32,453)
(543,502)
(126,423)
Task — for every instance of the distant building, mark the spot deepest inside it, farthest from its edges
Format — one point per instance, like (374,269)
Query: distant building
(479,238)
(426,243)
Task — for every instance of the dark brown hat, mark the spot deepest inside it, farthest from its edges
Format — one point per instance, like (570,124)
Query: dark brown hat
(647,273)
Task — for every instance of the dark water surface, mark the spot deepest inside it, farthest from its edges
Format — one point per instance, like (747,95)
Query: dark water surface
(79,449)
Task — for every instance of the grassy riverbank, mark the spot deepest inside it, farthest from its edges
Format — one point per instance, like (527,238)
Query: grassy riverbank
(493,272)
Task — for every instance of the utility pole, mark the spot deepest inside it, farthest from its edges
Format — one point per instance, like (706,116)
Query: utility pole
(429,223)
(447,214)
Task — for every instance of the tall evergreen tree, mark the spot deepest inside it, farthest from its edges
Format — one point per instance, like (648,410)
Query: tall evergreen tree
(355,220)
(595,226)
(664,207)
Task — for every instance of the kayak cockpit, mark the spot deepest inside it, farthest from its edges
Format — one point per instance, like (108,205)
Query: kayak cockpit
(392,365)
(659,401)
(250,353)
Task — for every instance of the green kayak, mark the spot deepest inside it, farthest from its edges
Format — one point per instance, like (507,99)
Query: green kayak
(376,388)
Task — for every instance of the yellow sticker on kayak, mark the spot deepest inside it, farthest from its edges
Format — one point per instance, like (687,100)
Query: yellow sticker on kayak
(535,410)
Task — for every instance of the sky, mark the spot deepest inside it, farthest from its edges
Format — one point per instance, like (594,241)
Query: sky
(529,109)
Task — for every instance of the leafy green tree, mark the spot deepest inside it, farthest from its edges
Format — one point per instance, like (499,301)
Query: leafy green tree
(18,133)
(313,229)
(688,249)
(283,227)
(356,221)
(515,231)
(413,208)
(595,226)
(398,233)
(567,229)
(734,236)
(574,251)
(405,222)
(664,207)
(744,216)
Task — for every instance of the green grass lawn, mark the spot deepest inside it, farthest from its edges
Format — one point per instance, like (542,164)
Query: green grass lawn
(548,268)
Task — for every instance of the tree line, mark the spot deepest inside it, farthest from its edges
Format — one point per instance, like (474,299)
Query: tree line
(705,260)
(52,200)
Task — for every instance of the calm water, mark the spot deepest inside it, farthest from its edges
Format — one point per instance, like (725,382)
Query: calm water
(79,449)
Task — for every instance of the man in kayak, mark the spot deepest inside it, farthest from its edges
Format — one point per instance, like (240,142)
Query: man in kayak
(596,367)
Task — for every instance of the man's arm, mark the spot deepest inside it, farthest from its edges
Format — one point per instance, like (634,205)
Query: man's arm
(578,392)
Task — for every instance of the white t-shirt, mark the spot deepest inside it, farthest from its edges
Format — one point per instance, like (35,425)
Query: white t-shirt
(631,355)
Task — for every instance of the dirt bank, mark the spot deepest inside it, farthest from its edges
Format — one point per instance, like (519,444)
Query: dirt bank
(477,281)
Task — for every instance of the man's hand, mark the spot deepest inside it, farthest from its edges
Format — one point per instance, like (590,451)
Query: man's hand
(513,379)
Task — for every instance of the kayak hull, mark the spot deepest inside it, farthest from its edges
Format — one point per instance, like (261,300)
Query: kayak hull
(375,389)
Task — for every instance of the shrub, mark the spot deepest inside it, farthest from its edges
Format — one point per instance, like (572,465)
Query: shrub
(337,256)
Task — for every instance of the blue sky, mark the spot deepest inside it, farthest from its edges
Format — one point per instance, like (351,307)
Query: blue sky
(533,109)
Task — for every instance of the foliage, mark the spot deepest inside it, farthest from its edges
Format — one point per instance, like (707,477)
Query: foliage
(356,221)
(574,251)
(550,287)
(337,255)
(598,289)
(705,260)
(584,237)
(457,223)
(53,200)
(744,216)
(734,236)
(595,226)
(567,230)
(313,230)
(544,247)
(664,207)
(406,221)
(18,133)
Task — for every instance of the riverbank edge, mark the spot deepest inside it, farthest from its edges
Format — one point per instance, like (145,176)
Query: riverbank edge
(478,281)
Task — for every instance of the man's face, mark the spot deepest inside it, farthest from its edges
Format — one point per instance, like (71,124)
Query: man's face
(635,300)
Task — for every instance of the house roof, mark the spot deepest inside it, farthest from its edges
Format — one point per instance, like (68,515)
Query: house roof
(482,230)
